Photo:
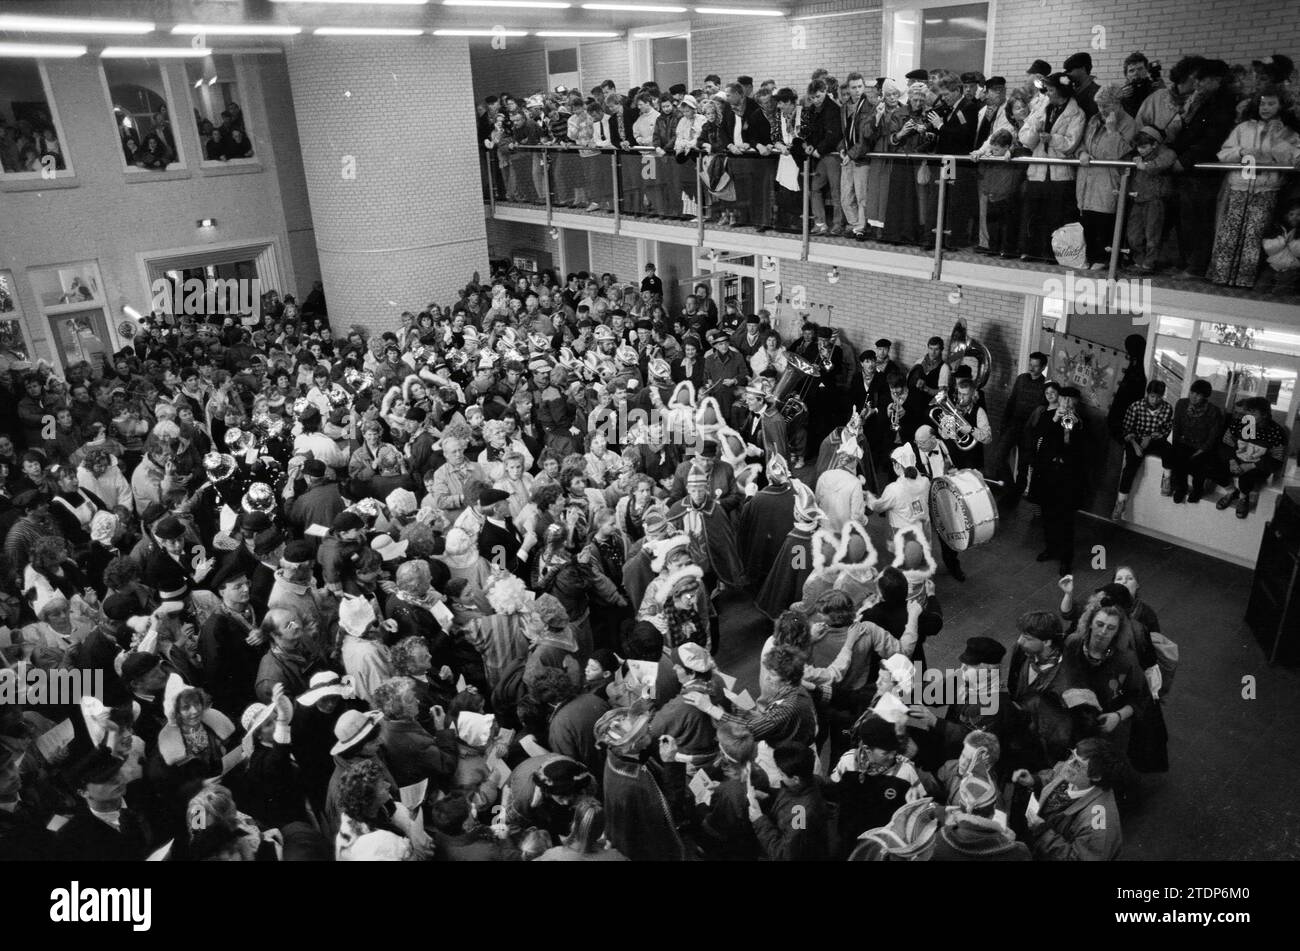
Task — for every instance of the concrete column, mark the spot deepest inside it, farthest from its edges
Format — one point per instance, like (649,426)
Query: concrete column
(387,129)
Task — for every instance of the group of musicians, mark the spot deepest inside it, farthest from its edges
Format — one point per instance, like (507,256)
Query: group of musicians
(933,419)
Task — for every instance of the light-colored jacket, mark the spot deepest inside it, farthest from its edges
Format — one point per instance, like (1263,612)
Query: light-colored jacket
(1062,142)
(367,662)
(1097,187)
(1271,142)
(112,487)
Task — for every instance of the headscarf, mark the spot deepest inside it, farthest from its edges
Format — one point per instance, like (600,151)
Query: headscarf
(103,527)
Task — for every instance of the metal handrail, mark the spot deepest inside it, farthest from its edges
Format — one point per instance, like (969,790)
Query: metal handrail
(923,157)
(1122,196)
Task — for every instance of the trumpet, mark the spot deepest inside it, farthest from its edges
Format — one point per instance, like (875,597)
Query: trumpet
(950,423)
(1069,421)
(896,410)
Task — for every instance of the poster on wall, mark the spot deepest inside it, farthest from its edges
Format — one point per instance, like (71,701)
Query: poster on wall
(1093,368)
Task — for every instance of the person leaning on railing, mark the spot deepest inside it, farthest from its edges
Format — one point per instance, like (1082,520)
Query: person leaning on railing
(1049,198)
(1261,138)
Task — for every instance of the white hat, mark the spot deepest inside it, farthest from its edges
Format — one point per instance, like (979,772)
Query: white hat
(356,614)
(325,684)
(401,502)
(388,548)
(380,846)
(663,548)
(689,102)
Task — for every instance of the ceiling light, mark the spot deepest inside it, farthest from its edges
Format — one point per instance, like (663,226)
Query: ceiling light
(738,12)
(480,32)
(153,52)
(521,4)
(248,29)
(587,33)
(364,31)
(206,223)
(360,3)
(34,24)
(42,50)
(632,8)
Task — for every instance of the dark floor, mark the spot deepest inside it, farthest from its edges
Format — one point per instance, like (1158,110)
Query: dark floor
(1234,769)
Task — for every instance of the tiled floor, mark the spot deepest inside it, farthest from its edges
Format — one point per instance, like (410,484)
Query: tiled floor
(1234,766)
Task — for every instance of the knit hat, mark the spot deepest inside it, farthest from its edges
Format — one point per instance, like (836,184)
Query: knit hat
(909,836)
(982,650)
(562,777)
(626,729)
(655,521)
(694,657)
(878,734)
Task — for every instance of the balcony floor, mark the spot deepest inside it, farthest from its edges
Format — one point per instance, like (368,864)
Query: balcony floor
(1166,280)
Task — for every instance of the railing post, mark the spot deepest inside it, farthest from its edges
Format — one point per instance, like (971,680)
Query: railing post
(546,184)
(1116,238)
(940,208)
(490,156)
(807,206)
(617,189)
(699,197)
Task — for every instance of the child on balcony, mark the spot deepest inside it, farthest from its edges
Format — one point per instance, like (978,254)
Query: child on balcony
(1282,254)
(1000,186)
(1152,184)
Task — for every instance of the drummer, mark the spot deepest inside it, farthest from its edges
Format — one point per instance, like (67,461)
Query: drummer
(933,460)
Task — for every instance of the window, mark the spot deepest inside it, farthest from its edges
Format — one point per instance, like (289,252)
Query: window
(15,349)
(943,34)
(214,94)
(137,92)
(71,298)
(31,139)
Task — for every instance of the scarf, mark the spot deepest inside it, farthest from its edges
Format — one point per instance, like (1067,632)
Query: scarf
(195,737)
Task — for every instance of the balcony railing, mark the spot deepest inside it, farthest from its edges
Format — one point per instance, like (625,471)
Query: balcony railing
(642,182)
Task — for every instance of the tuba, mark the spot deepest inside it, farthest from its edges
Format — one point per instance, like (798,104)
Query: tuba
(963,348)
(795,386)
(950,424)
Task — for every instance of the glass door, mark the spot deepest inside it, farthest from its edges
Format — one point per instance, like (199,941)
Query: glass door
(82,335)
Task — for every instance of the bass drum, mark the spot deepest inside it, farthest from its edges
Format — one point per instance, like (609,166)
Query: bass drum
(963,509)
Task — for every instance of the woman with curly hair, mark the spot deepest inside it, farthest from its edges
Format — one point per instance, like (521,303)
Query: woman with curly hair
(374,826)
(216,831)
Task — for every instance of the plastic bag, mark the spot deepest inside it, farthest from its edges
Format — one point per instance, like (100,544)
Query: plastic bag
(1068,245)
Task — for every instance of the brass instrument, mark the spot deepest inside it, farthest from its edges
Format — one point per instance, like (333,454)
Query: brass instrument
(795,385)
(963,348)
(950,423)
(895,411)
(1069,421)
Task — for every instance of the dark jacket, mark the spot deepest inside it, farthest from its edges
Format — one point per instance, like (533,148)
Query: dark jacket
(1202,135)
(806,840)
(975,839)
(87,839)
(754,127)
(823,128)
(572,730)
(413,754)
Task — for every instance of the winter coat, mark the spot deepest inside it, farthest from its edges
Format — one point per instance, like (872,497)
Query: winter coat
(1062,140)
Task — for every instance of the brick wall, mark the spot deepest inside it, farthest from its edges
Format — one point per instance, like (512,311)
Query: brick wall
(762,48)
(110,219)
(870,306)
(607,59)
(274,74)
(615,254)
(1163,29)
(520,70)
(408,226)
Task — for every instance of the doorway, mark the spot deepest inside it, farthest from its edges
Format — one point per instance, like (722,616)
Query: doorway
(575,251)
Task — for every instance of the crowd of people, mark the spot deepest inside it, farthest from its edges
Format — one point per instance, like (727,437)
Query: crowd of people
(439,593)
(29,143)
(1237,228)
